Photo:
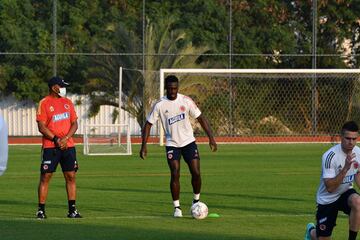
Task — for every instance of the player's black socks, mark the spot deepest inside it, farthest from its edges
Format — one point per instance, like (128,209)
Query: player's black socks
(352,235)
(42,207)
(72,207)
(195,201)
(178,207)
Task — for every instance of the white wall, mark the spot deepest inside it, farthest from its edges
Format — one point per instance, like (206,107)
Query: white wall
(21,116)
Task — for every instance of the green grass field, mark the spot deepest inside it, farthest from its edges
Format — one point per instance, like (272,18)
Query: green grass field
(260,192)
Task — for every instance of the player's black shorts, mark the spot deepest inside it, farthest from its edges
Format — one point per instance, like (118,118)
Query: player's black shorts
(189,152)
(326,214)
(51,157)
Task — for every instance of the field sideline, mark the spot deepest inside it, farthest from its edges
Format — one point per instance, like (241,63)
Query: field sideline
(260,191)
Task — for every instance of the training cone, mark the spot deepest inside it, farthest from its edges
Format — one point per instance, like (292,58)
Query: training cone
(213,215)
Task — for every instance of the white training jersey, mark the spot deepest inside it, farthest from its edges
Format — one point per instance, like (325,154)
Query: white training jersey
(332,162)
(175,119)
(3,145)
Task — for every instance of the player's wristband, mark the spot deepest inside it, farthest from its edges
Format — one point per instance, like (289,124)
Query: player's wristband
(55,140)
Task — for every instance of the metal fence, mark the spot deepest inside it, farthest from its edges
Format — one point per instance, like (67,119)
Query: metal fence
(300,105)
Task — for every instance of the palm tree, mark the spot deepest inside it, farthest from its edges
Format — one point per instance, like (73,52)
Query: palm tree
(165,47)
(103,77)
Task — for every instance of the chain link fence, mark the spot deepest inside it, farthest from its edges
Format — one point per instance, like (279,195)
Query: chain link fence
(281,107)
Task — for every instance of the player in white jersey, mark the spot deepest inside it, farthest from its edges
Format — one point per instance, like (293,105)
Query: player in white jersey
(3,145)
(174,110)
(340,168)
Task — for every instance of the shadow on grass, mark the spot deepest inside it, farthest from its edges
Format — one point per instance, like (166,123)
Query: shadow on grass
(32,204)
(262,210)
(78,229)
(244,200)
(235,195)
(243,204)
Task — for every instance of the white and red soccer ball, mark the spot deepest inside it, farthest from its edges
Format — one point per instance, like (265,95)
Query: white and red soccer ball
(199,210)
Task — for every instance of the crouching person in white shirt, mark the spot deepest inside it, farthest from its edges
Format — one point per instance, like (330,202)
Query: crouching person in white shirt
(340,168)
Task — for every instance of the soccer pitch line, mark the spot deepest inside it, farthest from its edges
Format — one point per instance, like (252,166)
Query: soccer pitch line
(12,218)
(85,218)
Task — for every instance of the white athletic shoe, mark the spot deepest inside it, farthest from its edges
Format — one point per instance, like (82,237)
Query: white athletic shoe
(177,212)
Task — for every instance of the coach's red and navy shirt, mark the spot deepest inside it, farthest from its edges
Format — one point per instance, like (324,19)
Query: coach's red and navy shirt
(57,114)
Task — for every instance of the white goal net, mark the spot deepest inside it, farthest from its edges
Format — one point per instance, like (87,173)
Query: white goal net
(111,139)
(271,105)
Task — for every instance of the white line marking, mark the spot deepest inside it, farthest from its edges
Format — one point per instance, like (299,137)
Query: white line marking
(152,217)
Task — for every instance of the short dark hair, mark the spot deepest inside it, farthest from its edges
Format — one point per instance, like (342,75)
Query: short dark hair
(171,79)
(350,126)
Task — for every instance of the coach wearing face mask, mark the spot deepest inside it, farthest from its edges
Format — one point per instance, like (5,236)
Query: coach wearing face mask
(57,122)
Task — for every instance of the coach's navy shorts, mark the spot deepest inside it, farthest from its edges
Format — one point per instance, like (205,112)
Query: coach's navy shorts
(326,214)
(189,152)
(51,157)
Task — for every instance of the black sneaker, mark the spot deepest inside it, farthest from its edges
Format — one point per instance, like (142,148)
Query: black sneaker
(74,214)
(40,215)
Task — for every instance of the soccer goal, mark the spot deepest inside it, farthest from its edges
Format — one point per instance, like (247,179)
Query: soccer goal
(109,139)
(271,105)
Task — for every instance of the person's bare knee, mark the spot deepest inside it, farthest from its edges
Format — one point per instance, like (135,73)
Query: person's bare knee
(45,178)
(69,177)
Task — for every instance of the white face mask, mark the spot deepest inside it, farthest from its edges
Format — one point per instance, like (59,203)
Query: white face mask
(62,92)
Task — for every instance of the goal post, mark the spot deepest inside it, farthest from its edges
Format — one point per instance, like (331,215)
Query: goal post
(271,105)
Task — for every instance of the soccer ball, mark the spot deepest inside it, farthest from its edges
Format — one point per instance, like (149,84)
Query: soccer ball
(199,210)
